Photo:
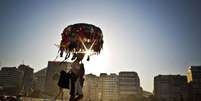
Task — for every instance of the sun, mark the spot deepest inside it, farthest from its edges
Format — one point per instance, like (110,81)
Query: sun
(97,64)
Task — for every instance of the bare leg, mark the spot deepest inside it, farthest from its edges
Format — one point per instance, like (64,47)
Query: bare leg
(62,96)
(72,89)
(60,93)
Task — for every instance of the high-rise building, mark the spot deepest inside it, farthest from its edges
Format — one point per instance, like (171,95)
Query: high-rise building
(194,82)
(170,88)
(52,76)
(90,88)
(10,81)
(27,80)
(39,80)
(194,74)
(129,84)
(100,86)
(108,87)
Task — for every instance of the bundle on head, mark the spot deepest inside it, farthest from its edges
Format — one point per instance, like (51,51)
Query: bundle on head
(81,38)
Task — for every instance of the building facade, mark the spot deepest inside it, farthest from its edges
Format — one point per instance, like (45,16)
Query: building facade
(52,76)
(170,88)
(194,83)
(100,86)
(10,81)
(39,80)
(129,84)
(90,88)
(27,80)
(108,87)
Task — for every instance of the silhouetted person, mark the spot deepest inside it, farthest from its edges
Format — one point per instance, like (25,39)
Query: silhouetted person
(63,83)
(77,73)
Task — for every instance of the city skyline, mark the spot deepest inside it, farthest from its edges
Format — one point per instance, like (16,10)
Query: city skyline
(149,37)
(104,87)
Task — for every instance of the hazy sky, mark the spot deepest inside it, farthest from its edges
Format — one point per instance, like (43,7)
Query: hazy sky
(150,37)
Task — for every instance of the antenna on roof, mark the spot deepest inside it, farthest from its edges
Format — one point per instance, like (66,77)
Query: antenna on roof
(23,62)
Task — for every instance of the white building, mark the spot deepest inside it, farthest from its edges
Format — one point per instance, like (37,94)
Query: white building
(108,87)
(129,84)
(170,88)
(27,80)
(90,88)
